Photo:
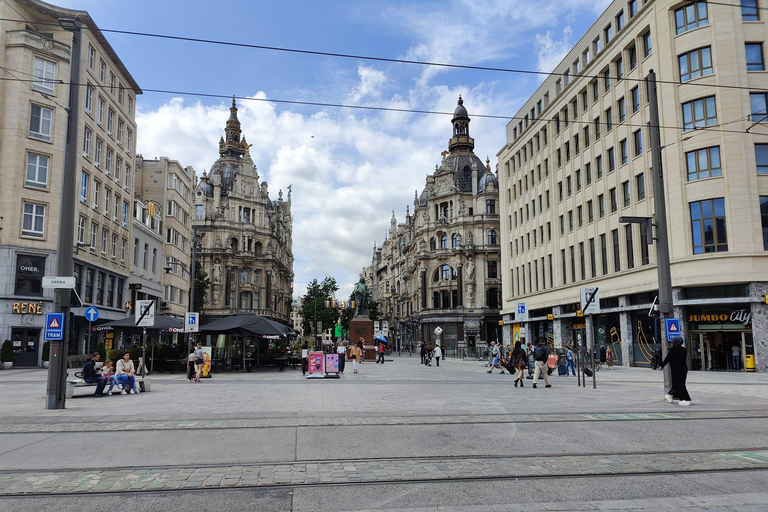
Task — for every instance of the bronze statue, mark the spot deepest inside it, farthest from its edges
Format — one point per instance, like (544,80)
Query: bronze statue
(362,297)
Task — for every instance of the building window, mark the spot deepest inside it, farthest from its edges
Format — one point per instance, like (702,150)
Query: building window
(703,163)
(104,238)
(638,139)
(493,272)
(611,160)
(29,275)
(89,98)
(630,246)
(87,142)
(761,158)
(490,207)
(623,151)
(81,230)
(114,245)
(123,243)
(608,119)
(758,103)
(619,69)
(749,10)
(40,122)
(444,242)
(599,166)
(96,191)
(608,34)
(621,106)
(37,171)
(647,44)
(454,240)
(604,254)
(433,244)
(699,113)
(708,226)
(640,186)
(94,230)
(33,224)
(601,205)
(110,120)
(606,79)
(112,80)
(592,263)
(83,187)
(45,76)
(620,21)
(100,288)
(625,192)
(492,237)
(590,212)
(108,161)
(102,69)
(632,52)
(764,218)
(632,12)
(695,64)
(635,95)
(616,250)
(755,60)
(128,140)
(119,131)
(691,16)
(100,110)
(614,202)
(91,55)
(588,173)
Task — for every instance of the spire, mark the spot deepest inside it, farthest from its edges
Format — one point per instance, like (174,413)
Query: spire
(230,144)
(461,141)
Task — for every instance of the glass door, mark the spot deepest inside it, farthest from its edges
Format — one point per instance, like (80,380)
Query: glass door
(696,351)
(25,342)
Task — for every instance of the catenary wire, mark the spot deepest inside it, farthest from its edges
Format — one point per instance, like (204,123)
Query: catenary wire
(388,59)
(391,109)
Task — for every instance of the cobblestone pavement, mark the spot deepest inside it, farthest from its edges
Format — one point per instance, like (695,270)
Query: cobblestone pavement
(373,471)
(108,426)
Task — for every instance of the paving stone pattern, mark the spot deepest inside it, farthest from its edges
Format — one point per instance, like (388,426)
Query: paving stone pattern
(372,471)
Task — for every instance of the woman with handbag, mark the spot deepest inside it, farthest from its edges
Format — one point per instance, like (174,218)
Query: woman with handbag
(354,354)
(198,362)
(677,357)
(520,359)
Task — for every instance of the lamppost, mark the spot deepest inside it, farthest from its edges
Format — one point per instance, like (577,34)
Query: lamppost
(55,396)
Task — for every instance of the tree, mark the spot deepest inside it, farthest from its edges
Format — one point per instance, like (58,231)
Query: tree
(202,283)
(313,305)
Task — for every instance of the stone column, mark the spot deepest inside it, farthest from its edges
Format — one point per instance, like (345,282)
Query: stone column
(758,291)
(625,331)
(557,324)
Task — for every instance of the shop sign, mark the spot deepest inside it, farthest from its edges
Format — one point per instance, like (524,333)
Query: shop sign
(28,308)
(738,317)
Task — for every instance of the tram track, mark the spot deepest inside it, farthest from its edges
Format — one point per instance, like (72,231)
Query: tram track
(374,471)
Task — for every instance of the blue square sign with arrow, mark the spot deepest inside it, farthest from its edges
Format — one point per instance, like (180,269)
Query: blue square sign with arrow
(673,328)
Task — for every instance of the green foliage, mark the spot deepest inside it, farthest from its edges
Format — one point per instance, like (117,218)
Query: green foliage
(114,355)
(46,350)
(101,349)
(6,353)
(202,284)
(313,305)
(373,310)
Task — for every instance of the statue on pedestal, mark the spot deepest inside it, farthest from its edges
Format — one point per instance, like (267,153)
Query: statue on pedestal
(362,298)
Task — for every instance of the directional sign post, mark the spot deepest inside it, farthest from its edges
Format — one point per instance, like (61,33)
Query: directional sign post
(60,283)
(521,311)
(54,326)
(145,317)
(191,322)
(673,328)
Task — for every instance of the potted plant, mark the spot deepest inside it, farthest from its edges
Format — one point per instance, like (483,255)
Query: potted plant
(46,353)
(6,355)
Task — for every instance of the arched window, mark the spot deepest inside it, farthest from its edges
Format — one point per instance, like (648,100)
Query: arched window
(455,240)
(445,273)
(491,237)
(432,244)
(444,242)
(257,248)
(387,286)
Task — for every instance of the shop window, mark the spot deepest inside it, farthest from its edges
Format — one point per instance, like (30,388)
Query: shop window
(29,275)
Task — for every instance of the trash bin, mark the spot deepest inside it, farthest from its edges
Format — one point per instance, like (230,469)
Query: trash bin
(749,362)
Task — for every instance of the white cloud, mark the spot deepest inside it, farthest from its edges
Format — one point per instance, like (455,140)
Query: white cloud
(549,52)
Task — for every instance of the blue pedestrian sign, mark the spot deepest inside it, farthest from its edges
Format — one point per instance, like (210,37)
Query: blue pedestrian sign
(92,314)
(521,311)
(54,326)
(673,328)
(191,322)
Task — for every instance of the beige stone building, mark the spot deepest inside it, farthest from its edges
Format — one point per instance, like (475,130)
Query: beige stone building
(577,158)
(439,268)
(247,244)
(168,186)
(34,95)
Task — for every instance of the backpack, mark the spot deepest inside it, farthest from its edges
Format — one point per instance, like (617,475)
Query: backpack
(540,353)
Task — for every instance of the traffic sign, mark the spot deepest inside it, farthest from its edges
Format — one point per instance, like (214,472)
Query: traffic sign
(521,311)
(673,328)
(91,314)
(145,313)
(54,326)
(191,322)
(585,293)
(62,283)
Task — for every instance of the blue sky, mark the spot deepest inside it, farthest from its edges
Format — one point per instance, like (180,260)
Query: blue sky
(349,169)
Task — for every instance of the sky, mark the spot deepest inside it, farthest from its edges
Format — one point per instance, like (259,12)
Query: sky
(348,169)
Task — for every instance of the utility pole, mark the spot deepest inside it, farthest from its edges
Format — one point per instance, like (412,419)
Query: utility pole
(55,395)
(660,209)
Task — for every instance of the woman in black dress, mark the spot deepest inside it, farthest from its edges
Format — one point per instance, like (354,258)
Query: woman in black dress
(677,357)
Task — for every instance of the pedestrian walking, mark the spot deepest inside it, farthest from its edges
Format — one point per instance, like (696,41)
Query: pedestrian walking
(736,357)
(569,361)
(603,355)
(423,349)
(354,354)
(361,345)
(191,365)
(520,360)
(304,359)
(438,354)
(198,361)
(489,352)
(430,352)
(495,358)
(381,351)
(609,358)
(342,351)
(677,358)
(540,355)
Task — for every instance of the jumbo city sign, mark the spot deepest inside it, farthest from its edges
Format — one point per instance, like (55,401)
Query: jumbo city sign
(739,316)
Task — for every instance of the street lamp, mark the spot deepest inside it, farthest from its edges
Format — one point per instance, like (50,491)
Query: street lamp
(55,396)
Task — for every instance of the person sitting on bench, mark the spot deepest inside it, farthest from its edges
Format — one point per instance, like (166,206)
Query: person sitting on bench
(91,374)
(125,374)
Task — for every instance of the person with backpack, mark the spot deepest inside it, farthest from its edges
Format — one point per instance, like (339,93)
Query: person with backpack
(569,361)
(519,359)
(496,355)
(541,354)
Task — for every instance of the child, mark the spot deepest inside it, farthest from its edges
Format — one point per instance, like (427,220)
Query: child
(107,372)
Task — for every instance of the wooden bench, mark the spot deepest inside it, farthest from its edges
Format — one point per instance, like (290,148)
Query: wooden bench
(145,384)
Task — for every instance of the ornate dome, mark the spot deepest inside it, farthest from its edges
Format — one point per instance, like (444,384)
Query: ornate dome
(424,198)
(488,181)
(460,110)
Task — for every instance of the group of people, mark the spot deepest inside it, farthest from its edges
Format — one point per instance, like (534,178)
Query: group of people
(196,361)
(428,352)
(122,376)
(516,361)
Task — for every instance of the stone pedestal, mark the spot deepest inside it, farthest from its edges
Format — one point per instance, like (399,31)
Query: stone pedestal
(363,326)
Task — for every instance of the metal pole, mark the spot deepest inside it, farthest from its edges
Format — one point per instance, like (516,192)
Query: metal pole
(660,209)
(594,347)
(143,351)
(89,336)
(193,280)
(55,396)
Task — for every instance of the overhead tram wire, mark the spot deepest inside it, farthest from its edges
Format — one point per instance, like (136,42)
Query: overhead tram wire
(394,60)
(393,109)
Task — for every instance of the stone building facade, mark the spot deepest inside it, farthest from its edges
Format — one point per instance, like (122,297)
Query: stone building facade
(33,130)
(440,267)
(577,159)
(247,239)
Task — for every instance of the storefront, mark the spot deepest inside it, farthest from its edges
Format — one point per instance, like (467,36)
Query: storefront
(608,334)
(646,339)
(26,316)
(720,337)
